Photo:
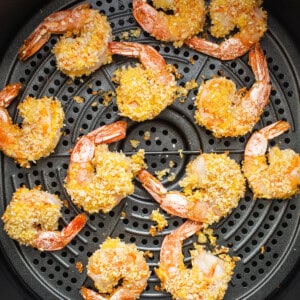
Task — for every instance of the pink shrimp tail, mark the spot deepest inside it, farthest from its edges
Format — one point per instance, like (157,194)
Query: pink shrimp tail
(85,147)
(89,294)
(258,142)
(55,240)
(56,23)
(9,93)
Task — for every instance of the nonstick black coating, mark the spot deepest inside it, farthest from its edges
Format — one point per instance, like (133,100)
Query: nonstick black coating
(274,225)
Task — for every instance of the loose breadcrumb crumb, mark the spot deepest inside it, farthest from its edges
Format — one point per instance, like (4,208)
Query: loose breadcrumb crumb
(160,174)
(134,143)
(172,176)
(159,218)
(79,266)
(123,215)
(79,99)
(147,135)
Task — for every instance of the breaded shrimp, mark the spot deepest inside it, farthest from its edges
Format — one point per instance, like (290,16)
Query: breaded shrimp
(187,19)
(212,187)
(97,178)
(275,175)
(79,55)
(40,130)
(230,113)
(119,270)
(246,15)
(210,273)
(147,89)
(31,218)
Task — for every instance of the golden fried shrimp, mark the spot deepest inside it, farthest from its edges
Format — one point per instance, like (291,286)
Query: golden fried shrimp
(40,131)
(31,218)
(147,89)
(210,273)
(119,270)
(275,175)
(228,112)
(247,16)
(212,187)
(97,178)
(187,19)
(79,55)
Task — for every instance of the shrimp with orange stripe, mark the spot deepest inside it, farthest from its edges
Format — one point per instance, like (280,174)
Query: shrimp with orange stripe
(83,47)
(40,131)
(275,175)
(226,15)
(31,218)
(187,19)
(144,90)
(228,112)
(98,179)
(210,273)
(119,271)
(212,188)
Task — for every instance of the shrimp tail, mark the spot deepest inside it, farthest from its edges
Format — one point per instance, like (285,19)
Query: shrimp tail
(58,22)
(152,185)
(9,93)
(85,147)
(89,294)
(55,240)
(149,19)
(258,63)
(258,142)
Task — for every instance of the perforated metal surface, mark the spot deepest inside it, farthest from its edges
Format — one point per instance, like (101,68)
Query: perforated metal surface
(252,226)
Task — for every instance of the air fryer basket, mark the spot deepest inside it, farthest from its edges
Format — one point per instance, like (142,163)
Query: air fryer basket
(264,234)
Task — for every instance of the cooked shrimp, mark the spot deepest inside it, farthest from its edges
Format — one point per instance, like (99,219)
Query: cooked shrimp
(143,91)
(230,113)
(31,218)
(212,187)
(40,131)
(118,269)
(272,176)
(210,273)
(79,55)
(247,16)
(187,19)
(98,179)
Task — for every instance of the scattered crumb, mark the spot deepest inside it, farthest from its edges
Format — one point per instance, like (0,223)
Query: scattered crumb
(206,236)
(192,84)
(157,288)
(159,218)
(262,249)
(171,177)
(171,164)
(135,33)
(123,215)
(192,61)
(147,135)
(79,266)
(134,143)
(90,85)
(78,99)
(70,81)
(94,104)
(220,72)
(180,151)
(66,203)
(107,96)
(162,173)
(148,254)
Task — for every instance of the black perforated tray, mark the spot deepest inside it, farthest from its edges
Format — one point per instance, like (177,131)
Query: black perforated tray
(253,224)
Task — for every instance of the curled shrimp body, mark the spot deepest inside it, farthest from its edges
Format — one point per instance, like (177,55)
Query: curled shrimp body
(187,19)
(212,187)
(144,90)
(230,113)
(97,178)
(79,55)
(32,217)
(210,273)
(113,263)
(275,175)
(247,16)
(40,131)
